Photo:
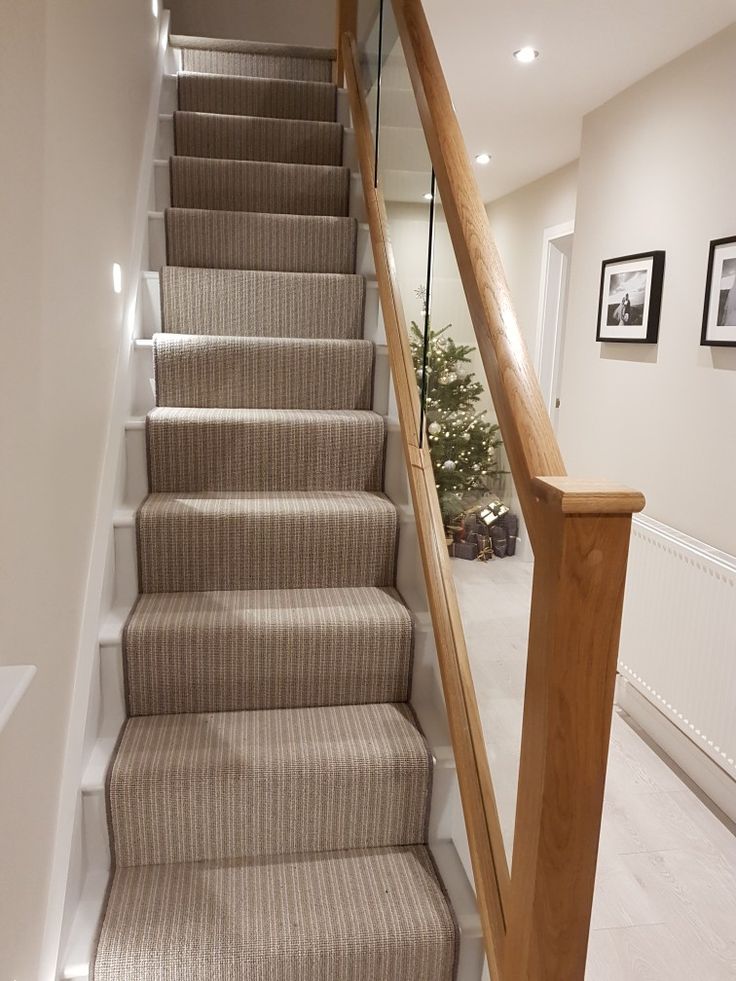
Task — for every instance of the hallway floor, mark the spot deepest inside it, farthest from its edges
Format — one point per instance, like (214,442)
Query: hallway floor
(665,901)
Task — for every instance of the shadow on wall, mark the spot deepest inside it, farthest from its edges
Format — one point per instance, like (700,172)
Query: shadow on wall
(643,353)
(719,357)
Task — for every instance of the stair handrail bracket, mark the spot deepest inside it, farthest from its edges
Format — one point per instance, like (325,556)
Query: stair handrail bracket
(535,917)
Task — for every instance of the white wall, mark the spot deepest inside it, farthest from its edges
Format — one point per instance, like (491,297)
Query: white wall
(75,80)
(657,172)
(518,222)
(309,22)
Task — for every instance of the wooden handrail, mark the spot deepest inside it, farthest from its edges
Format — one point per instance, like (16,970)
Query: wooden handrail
(474,778)
(529,439)
(536,921)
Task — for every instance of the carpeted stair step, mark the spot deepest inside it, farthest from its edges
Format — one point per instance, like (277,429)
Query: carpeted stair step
(371,915)
(192,449)
(259,540)
(245,240)
(235,302)
(272,97)
(264,649)
(210,134)
(254,185)
(262,372)
(257,59)
(224,785)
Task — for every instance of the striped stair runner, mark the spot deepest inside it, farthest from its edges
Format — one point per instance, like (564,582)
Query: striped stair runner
(268,798)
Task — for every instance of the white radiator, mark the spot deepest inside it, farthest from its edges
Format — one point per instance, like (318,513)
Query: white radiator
(678,639)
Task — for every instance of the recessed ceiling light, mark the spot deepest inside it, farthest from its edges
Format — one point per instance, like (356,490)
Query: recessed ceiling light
(483,158)
(117,278)
(427,196)
(526,55)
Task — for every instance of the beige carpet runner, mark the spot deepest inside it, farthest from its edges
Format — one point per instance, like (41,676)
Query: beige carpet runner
(268,799)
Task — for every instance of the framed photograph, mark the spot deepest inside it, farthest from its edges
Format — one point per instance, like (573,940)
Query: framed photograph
(630,298)
(719,315)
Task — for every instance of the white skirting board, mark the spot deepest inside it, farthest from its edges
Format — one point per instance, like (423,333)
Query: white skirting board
(677,652)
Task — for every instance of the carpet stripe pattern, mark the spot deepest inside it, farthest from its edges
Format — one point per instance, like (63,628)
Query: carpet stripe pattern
(264,449)
(246,540)
(252,185)
(262,372)
(266,649)
(240,96)
(187,787)
(253,303)
(256,65)
(268,798)
(209,922)
(209,134)
(266,59)
(243,240)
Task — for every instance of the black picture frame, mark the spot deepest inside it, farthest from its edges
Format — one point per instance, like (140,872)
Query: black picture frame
(647,333)
(706,334)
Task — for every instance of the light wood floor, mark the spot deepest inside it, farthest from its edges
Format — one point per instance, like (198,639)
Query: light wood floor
(665,901)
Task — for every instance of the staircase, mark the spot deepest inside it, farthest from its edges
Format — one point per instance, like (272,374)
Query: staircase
(268,798)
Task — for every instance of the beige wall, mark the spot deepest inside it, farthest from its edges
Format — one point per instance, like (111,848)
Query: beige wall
(289,22)
(75,80)
(518,222)
(657,172)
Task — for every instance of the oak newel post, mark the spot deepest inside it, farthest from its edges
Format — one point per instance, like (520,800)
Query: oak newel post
(577,600)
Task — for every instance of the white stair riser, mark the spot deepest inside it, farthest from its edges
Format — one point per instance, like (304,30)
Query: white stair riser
(126,565)
(149,300)
(112,687)
(95,833)
(162,184)
(165,137)
(143,390)
(169,95)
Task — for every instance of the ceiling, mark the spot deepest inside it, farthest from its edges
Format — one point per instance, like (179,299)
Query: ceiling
(529,117)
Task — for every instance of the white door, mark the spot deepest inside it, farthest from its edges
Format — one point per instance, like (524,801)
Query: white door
(554,282)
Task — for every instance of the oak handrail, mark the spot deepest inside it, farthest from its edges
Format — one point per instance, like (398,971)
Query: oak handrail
(535,924)
(529,440)
(474,778)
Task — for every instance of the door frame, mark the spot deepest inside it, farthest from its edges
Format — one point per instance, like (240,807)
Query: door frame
(553,284)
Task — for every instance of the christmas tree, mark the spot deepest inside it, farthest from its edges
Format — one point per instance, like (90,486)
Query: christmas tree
(462,443)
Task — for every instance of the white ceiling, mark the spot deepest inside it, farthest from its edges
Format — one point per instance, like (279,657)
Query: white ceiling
(529,116)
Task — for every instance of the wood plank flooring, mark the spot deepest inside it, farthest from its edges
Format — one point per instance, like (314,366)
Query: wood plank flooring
(665,901)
